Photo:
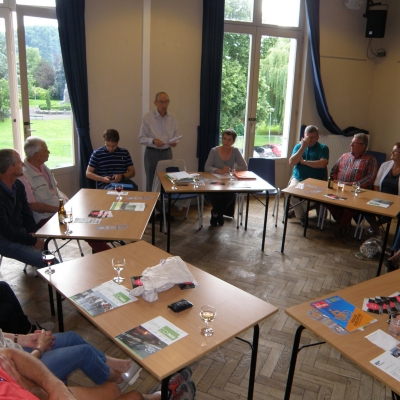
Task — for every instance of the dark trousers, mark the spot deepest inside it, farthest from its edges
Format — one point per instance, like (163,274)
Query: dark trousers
(12,317)
(223,203)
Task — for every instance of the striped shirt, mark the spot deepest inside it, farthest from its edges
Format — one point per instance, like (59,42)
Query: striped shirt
(350,169)
(156,127)
(108,164)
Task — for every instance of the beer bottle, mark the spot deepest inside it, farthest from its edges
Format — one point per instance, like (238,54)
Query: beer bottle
(330,181)
(61,211)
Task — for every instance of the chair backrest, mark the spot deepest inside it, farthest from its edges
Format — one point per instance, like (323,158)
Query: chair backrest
(172,169)
(380,157)
(162,167)
(264,168)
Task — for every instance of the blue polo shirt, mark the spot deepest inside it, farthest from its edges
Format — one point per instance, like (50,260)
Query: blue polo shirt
(108,164)
(314,153)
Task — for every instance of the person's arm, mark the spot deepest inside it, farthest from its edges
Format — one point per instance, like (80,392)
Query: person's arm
(130,173)
(144,135)
(90,173)
(35,371)
(241,164)
(209,165)
(370,173)
(298,155)
(40,340)
(322,163)
(43,207)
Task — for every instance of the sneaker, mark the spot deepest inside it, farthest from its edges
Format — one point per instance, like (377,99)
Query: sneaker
(291,214)
(132,374)
(178,379)
(186,391)
(47,326)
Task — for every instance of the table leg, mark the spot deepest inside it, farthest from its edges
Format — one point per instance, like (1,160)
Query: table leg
(169,224)
(247,212)
(51,299)
(46,244)
(265,219)
(306,218)
(253,363)
(60,312)
(385,240)
(164,388)
(285,224)
(153,228)
(162,206)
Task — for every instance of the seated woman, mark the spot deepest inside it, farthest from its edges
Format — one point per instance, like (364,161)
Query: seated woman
(62,353)
(387,181)
(220,160)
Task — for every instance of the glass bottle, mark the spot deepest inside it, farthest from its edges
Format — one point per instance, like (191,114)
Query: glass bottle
(61,211)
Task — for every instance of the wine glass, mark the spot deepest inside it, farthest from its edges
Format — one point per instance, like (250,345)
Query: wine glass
(232,174)
(118,188)
(173,179)
(207,314)
(196,178)
(68,220)
(48,258)
(118,264)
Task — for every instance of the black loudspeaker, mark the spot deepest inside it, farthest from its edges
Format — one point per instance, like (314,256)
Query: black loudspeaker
(376,23)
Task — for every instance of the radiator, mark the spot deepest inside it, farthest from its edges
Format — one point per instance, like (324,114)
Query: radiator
(338,145)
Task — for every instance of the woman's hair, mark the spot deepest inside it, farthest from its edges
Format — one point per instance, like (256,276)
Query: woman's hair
(397,144)
(111,135)
(230,132)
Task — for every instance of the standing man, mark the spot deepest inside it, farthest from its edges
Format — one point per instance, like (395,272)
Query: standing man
(309,160)
(17,225)
(157,130)
(353,167)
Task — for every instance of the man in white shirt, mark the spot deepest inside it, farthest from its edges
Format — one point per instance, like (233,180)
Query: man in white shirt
(157,130)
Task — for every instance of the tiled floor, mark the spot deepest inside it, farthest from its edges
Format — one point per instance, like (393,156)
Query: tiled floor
(313,266)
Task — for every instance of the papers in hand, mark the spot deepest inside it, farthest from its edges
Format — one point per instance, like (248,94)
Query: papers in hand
(175,139)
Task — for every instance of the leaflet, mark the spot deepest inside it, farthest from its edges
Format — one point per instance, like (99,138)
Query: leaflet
(175,139)
(150,337)
(119,205)
(389,362)
(103,298)
(380,203)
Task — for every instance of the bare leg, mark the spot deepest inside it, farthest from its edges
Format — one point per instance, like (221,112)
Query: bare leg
(107,391)
(395,257)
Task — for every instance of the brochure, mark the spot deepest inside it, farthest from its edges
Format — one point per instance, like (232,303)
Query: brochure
(119,205)
(100,214)
(87,220)
(389,362)
(175,139)
(382,304)
(343,313)
(103,298)
(150,337)
(182,176)
(334,197)
(245,175)
(380,203)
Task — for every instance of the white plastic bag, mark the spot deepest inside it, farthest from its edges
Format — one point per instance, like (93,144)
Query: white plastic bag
(162,277)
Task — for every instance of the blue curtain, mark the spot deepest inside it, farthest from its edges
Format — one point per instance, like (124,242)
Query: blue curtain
(71,27)
(312,8)
(211,77)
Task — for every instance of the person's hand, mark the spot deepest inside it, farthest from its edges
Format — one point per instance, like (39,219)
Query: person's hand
(225,170)
(173,144)
(39,244)
(42,339)
(108,179)
(158,143)
(305,141)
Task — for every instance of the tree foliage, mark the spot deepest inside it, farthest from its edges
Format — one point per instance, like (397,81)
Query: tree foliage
(44,74)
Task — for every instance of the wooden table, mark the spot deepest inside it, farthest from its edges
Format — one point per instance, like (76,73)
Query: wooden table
(133,223)
(235,316)
(256,186)
(314,190)
(354,346)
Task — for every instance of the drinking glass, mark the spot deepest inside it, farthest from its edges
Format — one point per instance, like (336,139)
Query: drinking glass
(48,258)
(357,188)
(118,188)
(340,185)
(207,314)
(232,174)
(196,178)
(394,327)
(173,179)
(118,264)
(68,220)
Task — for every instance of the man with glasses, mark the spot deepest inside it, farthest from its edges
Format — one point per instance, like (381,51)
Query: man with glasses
(309,160)
(353,167)
(110,163)
(159,132)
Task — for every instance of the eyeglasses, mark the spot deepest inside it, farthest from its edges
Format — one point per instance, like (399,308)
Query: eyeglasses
(355,143)
(163,102)
(395,151)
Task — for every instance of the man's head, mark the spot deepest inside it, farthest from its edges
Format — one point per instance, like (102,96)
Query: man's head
(111,139)
(162,102)
(311,132)
(36,151)
(10,163)
(359,144)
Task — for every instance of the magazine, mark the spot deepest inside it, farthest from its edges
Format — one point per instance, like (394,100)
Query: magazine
(182,176)
(103,298)
(120,205)
(150,337)
(334,197)
(380,203)
(343,313)
(382,304)
(100,214)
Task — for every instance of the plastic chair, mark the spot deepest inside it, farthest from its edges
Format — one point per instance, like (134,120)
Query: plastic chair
(176,165)
(265,169)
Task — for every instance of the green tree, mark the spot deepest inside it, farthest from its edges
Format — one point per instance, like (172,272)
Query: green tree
(3,57)
(48,101)
(44,74)
(4,99)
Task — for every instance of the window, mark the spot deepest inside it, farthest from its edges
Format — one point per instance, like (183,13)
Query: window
(261,48)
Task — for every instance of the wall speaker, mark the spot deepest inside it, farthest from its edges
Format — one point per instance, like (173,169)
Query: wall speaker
(376,23)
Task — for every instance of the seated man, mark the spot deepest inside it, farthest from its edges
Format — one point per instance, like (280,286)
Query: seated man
(353,167)
(41,188)
(110,163)
(309,160)
(17,224)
